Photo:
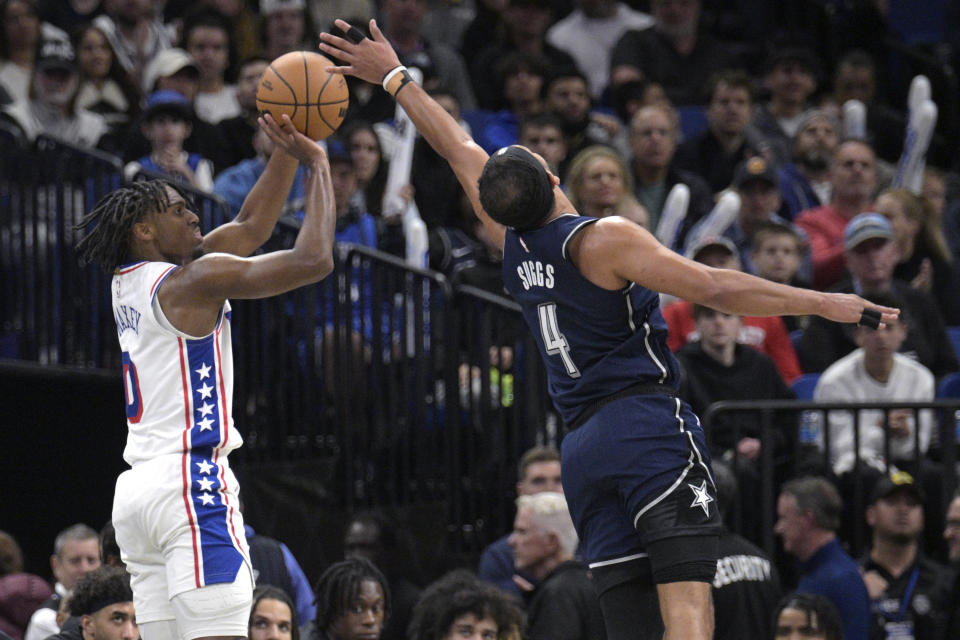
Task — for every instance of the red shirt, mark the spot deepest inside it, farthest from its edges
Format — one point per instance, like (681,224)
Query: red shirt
(824,227)
(766,335)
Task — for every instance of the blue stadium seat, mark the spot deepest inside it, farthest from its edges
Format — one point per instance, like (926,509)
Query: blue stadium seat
(954,333)
(949,387)
(693,120)
(804,386)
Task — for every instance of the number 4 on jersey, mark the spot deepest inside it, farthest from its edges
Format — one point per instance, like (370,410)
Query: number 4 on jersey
(553,340)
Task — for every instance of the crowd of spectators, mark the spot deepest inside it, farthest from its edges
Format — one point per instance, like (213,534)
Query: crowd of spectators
(626,101)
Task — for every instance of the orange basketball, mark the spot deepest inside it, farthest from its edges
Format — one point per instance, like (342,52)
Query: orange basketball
(297,84)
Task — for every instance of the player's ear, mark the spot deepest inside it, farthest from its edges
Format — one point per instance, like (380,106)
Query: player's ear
(143,230)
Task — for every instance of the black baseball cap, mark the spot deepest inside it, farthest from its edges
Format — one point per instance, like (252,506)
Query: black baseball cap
(755,169)
(56,54)
(894,483)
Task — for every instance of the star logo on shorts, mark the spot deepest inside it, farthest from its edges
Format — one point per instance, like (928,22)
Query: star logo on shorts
(701,497)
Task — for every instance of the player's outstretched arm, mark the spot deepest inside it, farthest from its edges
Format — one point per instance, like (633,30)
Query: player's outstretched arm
(260,210)
(371,60)
(615,250)
(192,296)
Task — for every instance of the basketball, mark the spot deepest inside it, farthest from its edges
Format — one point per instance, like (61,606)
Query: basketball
(298,84)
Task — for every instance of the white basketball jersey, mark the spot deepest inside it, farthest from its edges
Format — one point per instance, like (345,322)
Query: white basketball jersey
(178,388)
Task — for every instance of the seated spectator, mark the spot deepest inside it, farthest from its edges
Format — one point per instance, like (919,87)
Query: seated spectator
(20,33)
(746,586)
(244,22)
(805,181)
(237,132)
(137,34)
(101,608)
(654,132)
(375,537)
(285,27)
(677,52)
(353,223)
(777,253)
(714,154)
(166,123)
(925,259)
(538,470)
(524,27)
(521,76)
(564,603)
(806,615)
(206,37)
(876,372)
(766,334)
(76,551)
(543,133)
(756,182)
(458,605)
(173,70)
(353,601)
(233,184)
(853,181)
(871,256)
(717,367)
(911,594)
(791,78)
(589,34)
(599,184)
(50,109)
(565,95)
(272,616)
(808,518)
(105,88)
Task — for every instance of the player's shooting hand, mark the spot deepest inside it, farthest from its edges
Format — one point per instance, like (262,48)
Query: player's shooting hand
(285,136)
(847,307)
(370,59)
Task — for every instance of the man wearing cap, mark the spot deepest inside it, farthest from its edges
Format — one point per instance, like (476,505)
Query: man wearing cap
(909,593)
(805,182)
(714,154)
(49,109)
(135,32)
(871,256)
(853,181)
(101,608)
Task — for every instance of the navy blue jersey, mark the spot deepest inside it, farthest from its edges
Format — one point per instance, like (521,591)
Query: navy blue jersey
(595,342)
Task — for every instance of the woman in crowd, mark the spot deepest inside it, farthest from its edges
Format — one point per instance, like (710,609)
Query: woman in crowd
(272,616)
(105,88)
(925,257)
(19,34)
(599,184)
(805,616)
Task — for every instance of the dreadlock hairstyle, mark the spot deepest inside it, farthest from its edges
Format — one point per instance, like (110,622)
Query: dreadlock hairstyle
(108,242)
(339,587)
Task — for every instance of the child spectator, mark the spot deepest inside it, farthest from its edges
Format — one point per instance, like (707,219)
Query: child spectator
(776,255)
(166,124)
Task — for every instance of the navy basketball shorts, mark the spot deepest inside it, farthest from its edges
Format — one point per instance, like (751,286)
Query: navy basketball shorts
(636,476)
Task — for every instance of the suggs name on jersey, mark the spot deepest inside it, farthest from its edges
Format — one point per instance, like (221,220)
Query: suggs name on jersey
(533,274)
(127,318)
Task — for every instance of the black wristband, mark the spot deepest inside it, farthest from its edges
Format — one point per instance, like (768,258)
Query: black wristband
(870,318)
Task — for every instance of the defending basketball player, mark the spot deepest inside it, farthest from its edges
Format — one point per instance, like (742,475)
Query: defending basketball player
(588,289)
(175,511)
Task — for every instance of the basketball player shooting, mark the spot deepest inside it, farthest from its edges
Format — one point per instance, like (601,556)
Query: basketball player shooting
(636,471)
(175,509)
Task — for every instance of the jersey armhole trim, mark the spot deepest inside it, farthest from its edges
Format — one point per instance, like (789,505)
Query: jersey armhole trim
(573,232)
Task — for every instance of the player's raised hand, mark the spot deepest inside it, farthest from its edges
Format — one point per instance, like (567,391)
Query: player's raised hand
(369,59)
(847,307)
(286,136)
